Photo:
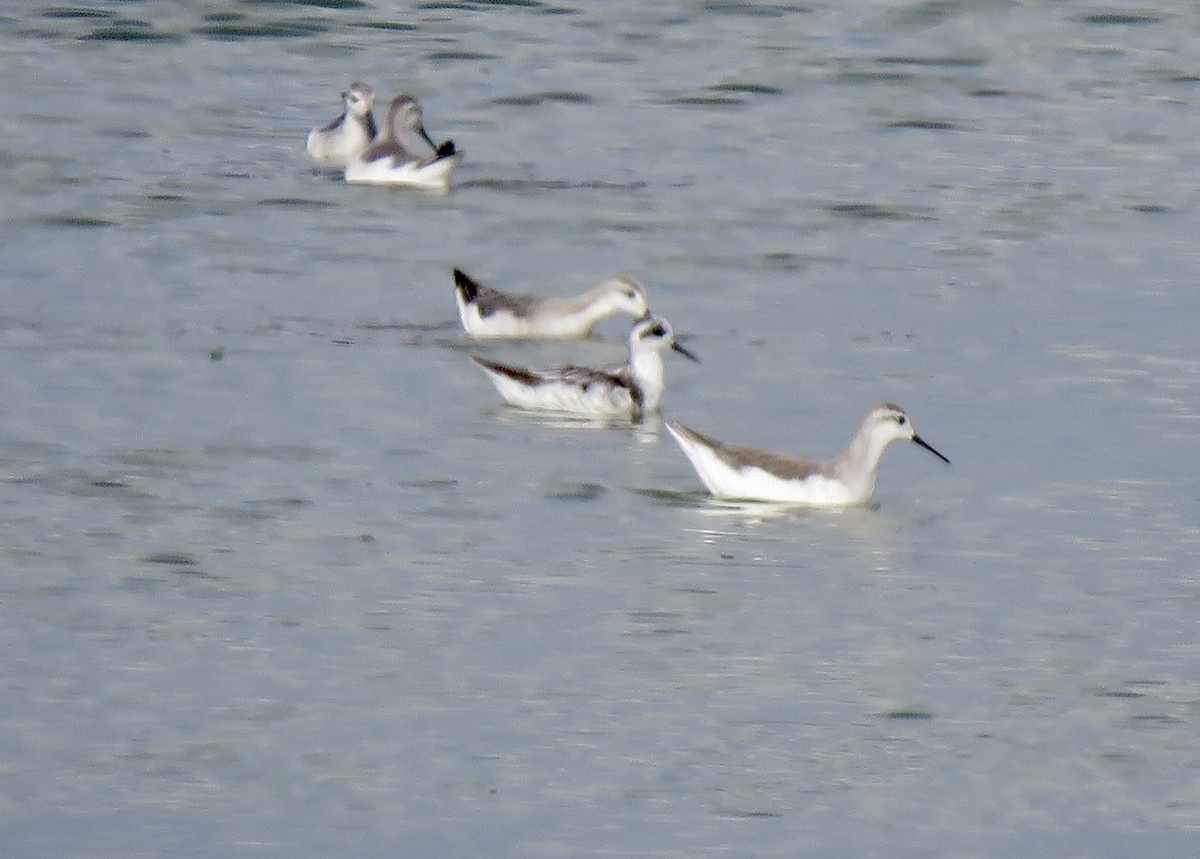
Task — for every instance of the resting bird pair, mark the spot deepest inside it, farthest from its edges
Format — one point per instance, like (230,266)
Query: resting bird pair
(352,144)
(625,391)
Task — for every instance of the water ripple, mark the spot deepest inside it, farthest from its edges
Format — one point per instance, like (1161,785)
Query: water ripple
(876,212)
(236,30)
(1120,18)
(924,124)
(537,99)
(131,31)
(75,13)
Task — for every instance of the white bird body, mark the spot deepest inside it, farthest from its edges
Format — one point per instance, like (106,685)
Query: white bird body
(486,312)
(430,174)
(334,145)
(734,471)
(627,392)
(391,159)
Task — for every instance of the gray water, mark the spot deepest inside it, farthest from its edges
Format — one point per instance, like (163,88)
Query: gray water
(281,577)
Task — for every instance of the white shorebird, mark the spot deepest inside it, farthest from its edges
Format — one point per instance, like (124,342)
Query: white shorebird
(391,160)
(628,391)
(333,145)
(486,312)
(734,471)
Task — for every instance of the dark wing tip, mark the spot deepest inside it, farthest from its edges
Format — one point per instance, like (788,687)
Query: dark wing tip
(525,377)
(693,435)
(468,287)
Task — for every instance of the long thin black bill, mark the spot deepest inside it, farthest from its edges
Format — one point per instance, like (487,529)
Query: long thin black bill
(425,136)
(685,353)
(929,448)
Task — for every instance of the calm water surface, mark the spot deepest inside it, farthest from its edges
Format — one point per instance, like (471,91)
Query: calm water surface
(281,578)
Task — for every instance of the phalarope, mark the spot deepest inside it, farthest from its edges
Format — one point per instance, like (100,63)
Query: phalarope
(333,145)
(486,312)
(747,473)
(627,391)
(388,161)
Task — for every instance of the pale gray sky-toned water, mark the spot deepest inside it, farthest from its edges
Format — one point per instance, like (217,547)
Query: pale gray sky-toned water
(325,596)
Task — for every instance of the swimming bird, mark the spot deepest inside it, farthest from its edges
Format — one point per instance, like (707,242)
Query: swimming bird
(486,312)
(392,160)
(335,144)
(627,391)
(747,473)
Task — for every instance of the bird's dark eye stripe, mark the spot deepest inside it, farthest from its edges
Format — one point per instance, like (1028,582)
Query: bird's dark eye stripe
(658,331)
